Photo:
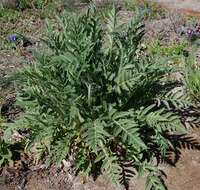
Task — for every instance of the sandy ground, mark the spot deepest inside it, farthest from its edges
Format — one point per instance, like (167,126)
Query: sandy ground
(190,7)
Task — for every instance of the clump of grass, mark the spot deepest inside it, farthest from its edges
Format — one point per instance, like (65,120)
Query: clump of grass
(192,79)
(38,4)
(151,10)
(9,15)
(172,49)
(174,52)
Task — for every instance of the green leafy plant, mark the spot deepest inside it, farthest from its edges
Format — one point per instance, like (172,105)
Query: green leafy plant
(92,98)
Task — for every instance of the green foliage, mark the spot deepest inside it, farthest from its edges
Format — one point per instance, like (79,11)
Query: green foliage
(192,79)
(91,97)
(5,153)
(153,182)
(193,82)
(151,10)
(38,4)
(172,49)
(24,4)
(8,15)
(174,52)
(9,151)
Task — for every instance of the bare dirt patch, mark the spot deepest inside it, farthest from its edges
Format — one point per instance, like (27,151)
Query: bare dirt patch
(189,7)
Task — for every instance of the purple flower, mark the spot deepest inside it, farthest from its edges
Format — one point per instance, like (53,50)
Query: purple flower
(198,30)
(190,33)
(12,38)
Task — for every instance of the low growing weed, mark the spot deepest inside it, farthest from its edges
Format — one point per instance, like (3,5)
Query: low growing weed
(171,49)
(151,10)
(38,4)
(174,51)
(9,15)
